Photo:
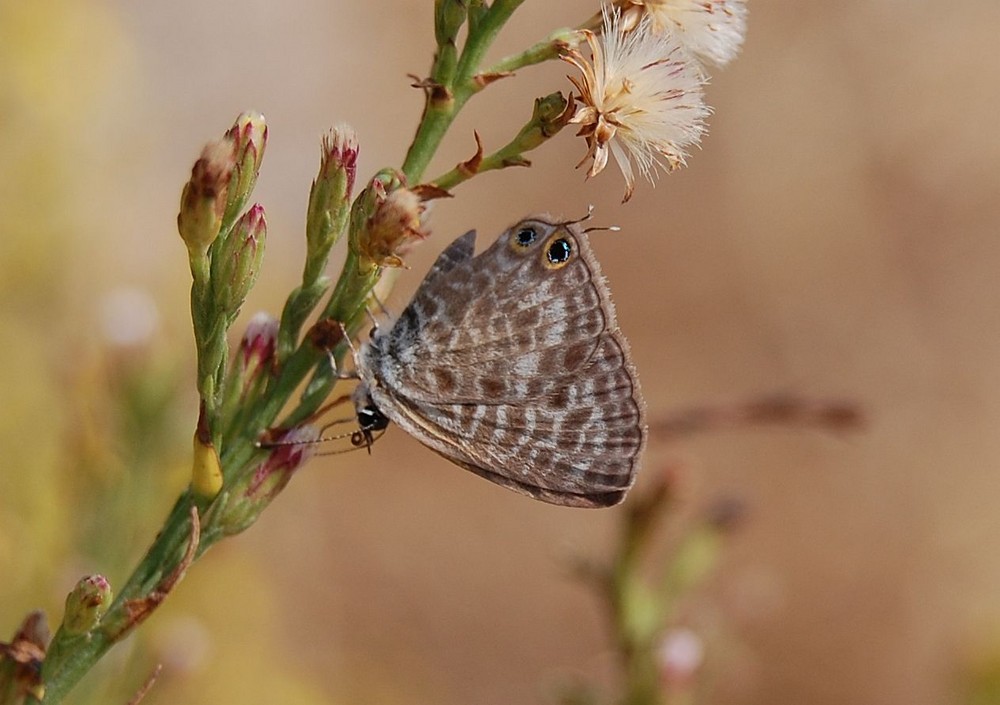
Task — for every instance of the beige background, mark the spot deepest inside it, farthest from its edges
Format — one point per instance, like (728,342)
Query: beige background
(836,236)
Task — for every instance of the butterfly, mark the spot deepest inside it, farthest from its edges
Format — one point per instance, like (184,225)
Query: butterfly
(510,364)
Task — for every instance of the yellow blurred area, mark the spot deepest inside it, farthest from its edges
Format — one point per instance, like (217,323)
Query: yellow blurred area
(837,236)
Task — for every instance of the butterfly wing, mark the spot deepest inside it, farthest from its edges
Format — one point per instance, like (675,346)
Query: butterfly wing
(457,253)
(499,327)
(577,447)
(516,370)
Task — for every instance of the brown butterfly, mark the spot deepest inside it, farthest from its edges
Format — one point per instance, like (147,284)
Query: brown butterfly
(511,365)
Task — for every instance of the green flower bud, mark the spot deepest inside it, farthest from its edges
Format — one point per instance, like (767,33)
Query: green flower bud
(330,198)
(551,114)
(86,604)
(237,262)
(449,16)
(203,200)
(326,220)
(249,137)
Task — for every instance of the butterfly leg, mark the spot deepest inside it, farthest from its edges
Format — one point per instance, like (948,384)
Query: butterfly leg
(371,317)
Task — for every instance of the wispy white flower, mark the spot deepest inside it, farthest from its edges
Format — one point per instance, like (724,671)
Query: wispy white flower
(712,30)
(641,99)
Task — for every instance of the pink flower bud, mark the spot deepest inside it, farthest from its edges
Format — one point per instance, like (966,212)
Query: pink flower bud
(287,451)
(259,340)
(249,136)
(239,259)
(680,655)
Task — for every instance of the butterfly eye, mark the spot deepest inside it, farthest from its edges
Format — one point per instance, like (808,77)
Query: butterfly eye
(525,236)
(558,253)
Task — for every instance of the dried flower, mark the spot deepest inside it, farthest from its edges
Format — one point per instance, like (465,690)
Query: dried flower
(387,222)
(21,660)
(712,30)
(641,99)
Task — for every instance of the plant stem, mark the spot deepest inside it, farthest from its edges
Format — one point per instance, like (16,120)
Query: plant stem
(447,94)
(452,83)
(545,50)
(72,657)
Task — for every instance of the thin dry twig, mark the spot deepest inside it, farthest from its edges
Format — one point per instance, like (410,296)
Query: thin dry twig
(140,609)
(776,409)
(144,688)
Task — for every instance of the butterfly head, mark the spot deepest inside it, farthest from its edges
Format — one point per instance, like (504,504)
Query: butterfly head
(370,418)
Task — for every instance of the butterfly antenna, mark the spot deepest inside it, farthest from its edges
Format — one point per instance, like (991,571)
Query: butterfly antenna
(593,228)
(590,214)
(598,228)
(330,424)
(321,439)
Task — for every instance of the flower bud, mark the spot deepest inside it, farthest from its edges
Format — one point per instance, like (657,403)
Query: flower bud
(330,198)
(256,354)
(551,114)
(449,16)
(386,222)
(86,604)
(680,655)
(287,452)
(257,344)
(237,261)
(203,200)
(206,470)
(252,365)
(249,137)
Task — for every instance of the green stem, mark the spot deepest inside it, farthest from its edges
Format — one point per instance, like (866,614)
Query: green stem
(74,656)
(549,116)
(629,598)
(439,112)
(453,83)
(347,304)
(481,39)
(200,302)
(507,156)
(448,94)
(545,50)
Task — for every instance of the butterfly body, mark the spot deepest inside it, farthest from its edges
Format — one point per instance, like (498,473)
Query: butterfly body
(511,365)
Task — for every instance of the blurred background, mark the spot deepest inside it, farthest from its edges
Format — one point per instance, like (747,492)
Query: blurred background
(835,237)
